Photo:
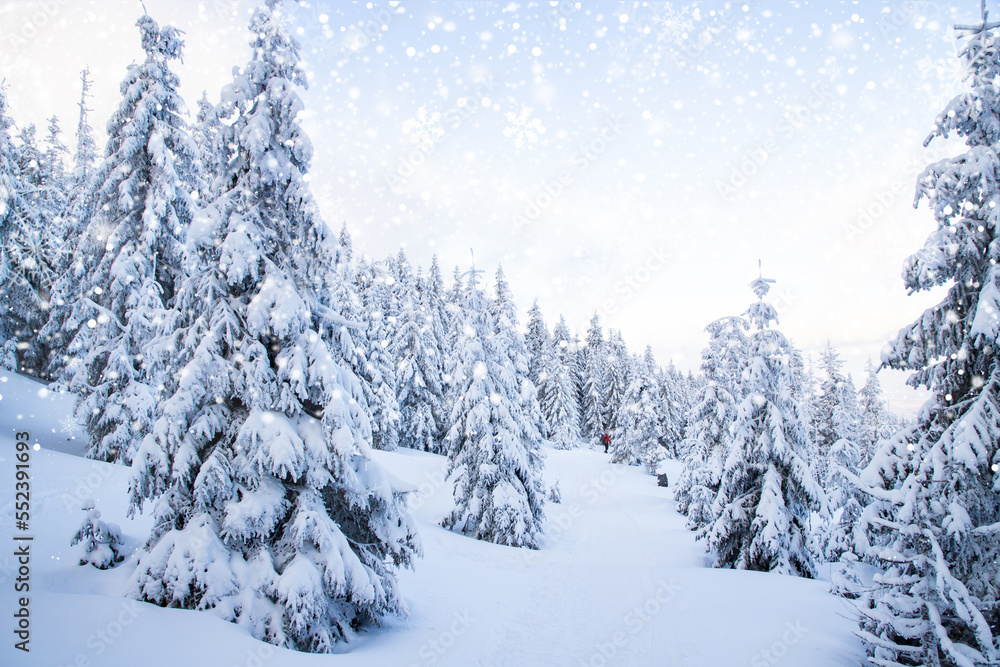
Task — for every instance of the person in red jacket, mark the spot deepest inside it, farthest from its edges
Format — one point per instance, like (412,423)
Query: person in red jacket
(606,440)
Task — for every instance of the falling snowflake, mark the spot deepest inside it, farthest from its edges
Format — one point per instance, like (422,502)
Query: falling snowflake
(647,67)
(673,25)
(832,69)
(943,77)
(745,35)
(522,128)
(69,425)
(596,266)
(425,129)
(621,48)
(629,202)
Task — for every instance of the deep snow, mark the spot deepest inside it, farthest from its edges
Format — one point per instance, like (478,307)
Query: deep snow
(619,581)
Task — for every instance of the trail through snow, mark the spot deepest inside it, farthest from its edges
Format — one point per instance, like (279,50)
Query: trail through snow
(620,581)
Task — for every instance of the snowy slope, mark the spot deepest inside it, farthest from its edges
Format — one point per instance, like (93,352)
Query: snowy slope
(619,582)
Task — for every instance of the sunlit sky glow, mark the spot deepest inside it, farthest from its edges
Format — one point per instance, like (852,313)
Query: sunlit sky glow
(584,146)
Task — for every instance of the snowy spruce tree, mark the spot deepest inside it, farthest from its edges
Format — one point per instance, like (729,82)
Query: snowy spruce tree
(69,270)
(21,258)
(54,195)
(557,390)
(507,329)
(494,455)
(593,365)
(536,339)
(269,510)
(419,390)
(434,300)
(638,436)
(826,405)
(676,396)
(130,258)
(708,433)
(767,490)
(373,362)
(100,542)
(843,463)
(877,423)
(617,375)
(931,527)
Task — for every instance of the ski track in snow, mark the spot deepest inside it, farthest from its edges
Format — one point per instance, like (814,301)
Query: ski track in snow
(620,580)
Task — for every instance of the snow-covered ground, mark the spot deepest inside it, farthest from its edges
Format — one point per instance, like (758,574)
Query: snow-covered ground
(620,581)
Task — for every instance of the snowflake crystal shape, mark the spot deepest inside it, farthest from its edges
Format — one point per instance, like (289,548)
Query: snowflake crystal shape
(946,76)
(673,25)
(832,69)
(596,266)
(649,65)
(621,48)
(522,128)
(425,129)
(629,202)
(69,425)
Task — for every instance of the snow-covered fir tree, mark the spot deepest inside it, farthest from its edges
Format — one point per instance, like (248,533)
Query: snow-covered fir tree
(557,390)
(843,463)
(674,390)
(55,186)
(934,487)
(21,257)
(86,154)
(767,490)
(69,272)
(826,405)
(100,542)
(205,133)
(638,437)
(35,244)
(494,457)
(419,389)
(29,161)
(269,509)
(618,374)
(877,423)
(374,363)
(434,300)
(708,433)
(536,339)
(507,329)
(129,260)
(593,364)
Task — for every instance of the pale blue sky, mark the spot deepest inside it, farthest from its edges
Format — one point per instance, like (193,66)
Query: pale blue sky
(604,191)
